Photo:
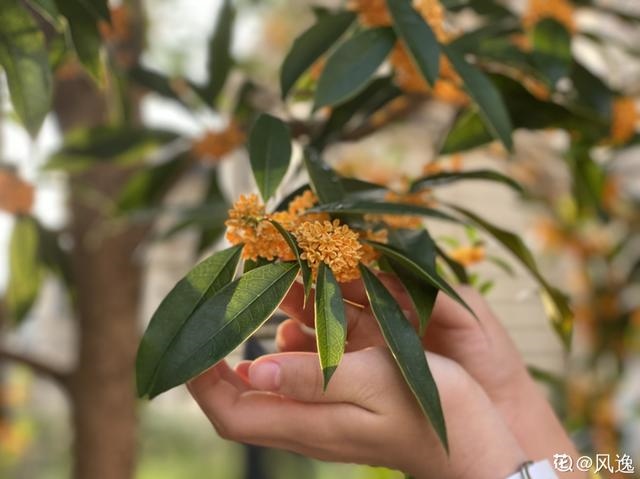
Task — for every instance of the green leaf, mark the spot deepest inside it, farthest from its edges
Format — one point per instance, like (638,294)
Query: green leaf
(440,179)
(311,45)
(352,66)
(554,300)
(85,34)
(172,316)
(146,188)
(307,278)
(24,58)
(324,180)
(420,40)
(223,322)
(123,145)
(421,269)
(219,60)
(331,322)
(98,8)
(407,350)
(552,50)
(48,10)
(468,132)
(423,295)
(270,153)
(486,96)
(420,247)
(26,270)
(363,206)
(374,97)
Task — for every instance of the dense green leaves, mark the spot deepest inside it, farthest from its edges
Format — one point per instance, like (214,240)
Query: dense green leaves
(407,350)
(26,270)
(24,58)
(173,314)
(420,40)
(223,322)
(270,153)
(311,45)
(486,96)
(352,65)
(554,301)
(363,206)
(219,60)
(447,178)
(330,322)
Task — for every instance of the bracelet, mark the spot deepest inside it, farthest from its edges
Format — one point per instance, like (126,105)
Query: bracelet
(534,470)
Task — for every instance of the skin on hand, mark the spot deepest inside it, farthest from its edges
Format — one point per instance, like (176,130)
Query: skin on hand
(482,347)
(367,415)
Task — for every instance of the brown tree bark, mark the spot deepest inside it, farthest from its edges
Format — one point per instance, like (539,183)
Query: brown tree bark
(108,285)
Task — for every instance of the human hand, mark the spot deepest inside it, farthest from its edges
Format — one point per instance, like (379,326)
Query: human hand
(367,415)
(481,346)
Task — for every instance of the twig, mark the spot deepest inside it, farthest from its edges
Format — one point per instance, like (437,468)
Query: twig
(38,367)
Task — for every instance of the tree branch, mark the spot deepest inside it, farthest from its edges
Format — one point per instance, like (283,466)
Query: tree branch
(39,368)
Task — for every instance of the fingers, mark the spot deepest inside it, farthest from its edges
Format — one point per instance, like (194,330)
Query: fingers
(262,418)
(291,336)
(298,376)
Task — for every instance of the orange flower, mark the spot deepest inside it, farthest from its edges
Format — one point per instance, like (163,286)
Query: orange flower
(469,255)
(16,195)
(561,11)
(624,117)
(247,225)
(409,78)
(372,13)
(214,145)
(300,204)
(331,243)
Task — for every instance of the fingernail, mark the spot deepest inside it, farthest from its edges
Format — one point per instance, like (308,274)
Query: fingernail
(265,375)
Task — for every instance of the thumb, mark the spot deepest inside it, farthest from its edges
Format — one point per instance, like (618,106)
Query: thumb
(299,376)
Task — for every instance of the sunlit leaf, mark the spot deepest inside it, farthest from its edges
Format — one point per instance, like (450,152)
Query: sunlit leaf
(330,322)
(24,58)
(173,314)
(407,350)
(352,66)
(224,322)
(26,270)
(418,37)
(270,153)
(311,45)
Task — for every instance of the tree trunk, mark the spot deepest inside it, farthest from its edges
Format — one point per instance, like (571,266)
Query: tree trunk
(108,286)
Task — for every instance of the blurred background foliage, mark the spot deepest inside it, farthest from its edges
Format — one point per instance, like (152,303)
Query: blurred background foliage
(111,110)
